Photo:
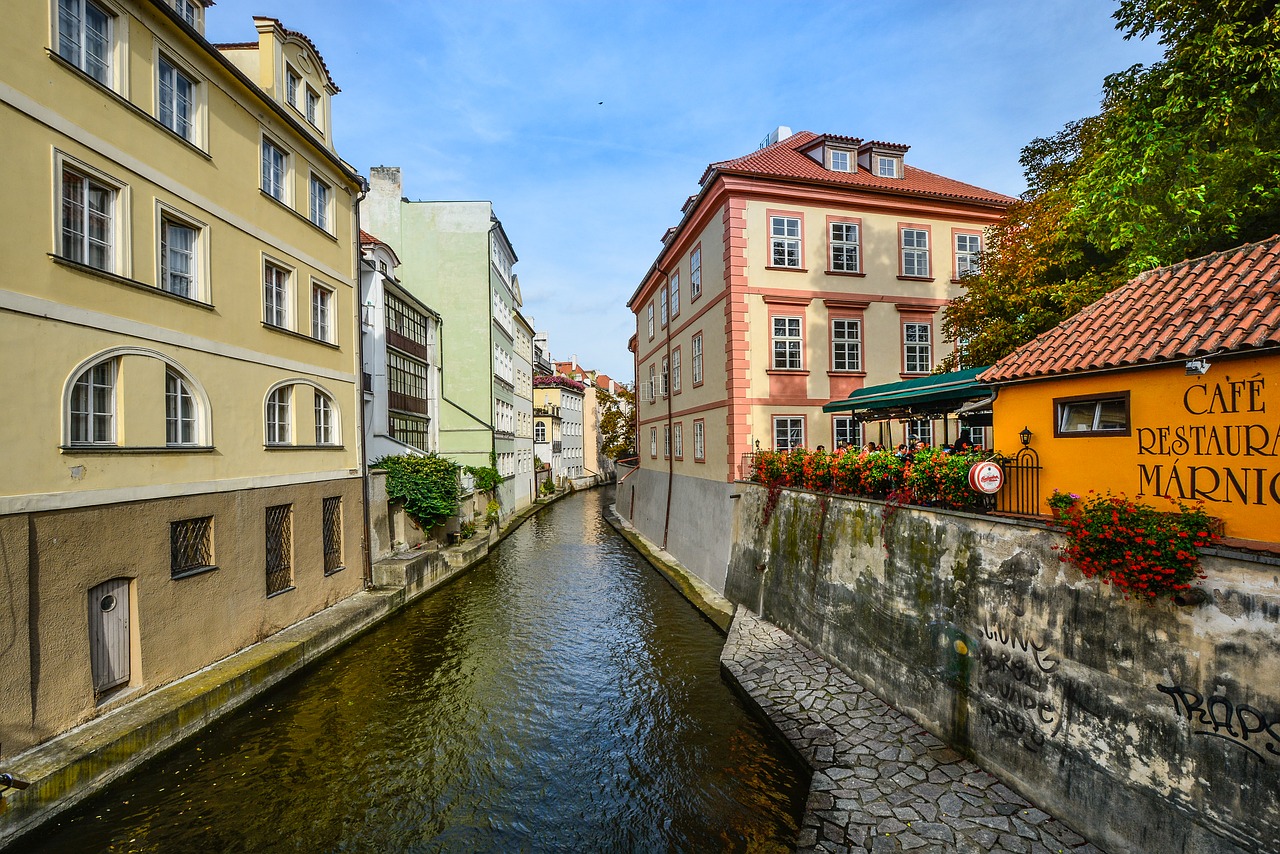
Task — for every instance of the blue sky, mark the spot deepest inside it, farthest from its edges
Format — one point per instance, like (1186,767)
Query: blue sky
(501,101)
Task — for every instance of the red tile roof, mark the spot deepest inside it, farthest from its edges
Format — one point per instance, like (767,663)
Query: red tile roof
(1227,302)
(785,159)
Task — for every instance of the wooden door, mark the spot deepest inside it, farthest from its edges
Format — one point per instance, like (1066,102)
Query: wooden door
(109,633)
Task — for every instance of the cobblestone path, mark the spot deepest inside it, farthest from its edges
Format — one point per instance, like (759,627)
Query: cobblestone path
(880,782)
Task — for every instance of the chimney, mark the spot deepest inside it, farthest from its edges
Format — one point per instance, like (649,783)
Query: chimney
(574,357)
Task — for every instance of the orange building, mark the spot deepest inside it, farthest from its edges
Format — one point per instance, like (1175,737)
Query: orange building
(1168,386)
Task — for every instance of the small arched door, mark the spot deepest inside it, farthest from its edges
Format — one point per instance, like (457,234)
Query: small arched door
(109,634)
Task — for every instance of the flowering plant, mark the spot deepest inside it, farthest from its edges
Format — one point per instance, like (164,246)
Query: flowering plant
(928,477)
(1144,552)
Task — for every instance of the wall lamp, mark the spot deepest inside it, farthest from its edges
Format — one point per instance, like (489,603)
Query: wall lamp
(1197,367)
(1025,435)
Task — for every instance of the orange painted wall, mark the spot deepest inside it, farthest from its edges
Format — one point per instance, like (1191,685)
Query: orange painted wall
(1213,438)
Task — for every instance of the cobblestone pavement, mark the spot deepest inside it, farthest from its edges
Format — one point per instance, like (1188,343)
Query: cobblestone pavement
(880,782)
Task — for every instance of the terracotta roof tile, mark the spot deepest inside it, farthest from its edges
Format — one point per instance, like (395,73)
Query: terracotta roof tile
(785,159)
(1225,302)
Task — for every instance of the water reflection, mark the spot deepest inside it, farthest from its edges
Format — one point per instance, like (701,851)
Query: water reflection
(560,697)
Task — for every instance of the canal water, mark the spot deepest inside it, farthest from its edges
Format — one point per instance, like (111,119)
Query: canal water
(561,696)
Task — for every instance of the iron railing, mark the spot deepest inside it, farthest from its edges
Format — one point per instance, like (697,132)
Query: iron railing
(1021,491)
(279,548)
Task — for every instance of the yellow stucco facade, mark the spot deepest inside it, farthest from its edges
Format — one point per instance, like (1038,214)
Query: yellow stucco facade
(177,308)
(1211,438)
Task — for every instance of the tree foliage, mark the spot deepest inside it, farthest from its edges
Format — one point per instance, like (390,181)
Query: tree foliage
(1183,160)
(617,432)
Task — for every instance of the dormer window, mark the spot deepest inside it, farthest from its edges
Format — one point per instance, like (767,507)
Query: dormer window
(840,161)
(888,166)
(292,82)
(313,106)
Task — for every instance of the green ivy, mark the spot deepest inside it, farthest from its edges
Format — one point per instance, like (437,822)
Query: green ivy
(486,478)
(427,486)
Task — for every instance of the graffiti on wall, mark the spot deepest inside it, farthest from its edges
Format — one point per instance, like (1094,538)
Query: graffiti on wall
(1216,716)
(1019,677)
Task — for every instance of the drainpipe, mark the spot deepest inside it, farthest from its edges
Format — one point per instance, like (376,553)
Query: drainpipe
(671,439)
(360,446)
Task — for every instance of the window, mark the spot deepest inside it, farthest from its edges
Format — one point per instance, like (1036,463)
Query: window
(189,10)
(915,252)
(888,167)
(917,348)
(650,321)
(190,546)
(331,524)
(675,371)
(846,344)
(320,203)
(697,359)
(313,107)
(653,383)
(279,549)
(787,344)
(275,165)
(788,433)
(540,432)
(675,293)
(967,248)
(279,419)
(785,241)
(275,295)
(181,415)
(321,313)
(846,432)
(410,430)
(666,441)
(978,436)
(404,320)
(177,100)
(84,38)
(839,161)
(93,406)
(845,252)
(1106,415)
(653,442)
(405,376)
(88,219)
(292,82)
(678,437)
(662,311)
(666,377)
(699,440)
(920,431)
(325,432)
(695,274)
(178,270)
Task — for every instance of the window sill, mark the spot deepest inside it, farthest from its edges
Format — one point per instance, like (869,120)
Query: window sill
(283,447)
(915,278)
(125,280)
(137,449)
(787,372)
(193,571)
(846,373)
(906,375)
(286,331)
(1093,434)
(288,589)
(846,273)
(335,570)
(786,269)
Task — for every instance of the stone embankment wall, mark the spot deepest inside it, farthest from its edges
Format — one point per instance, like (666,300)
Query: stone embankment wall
(1152,728)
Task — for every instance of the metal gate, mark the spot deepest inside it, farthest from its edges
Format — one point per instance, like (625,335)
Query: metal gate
(109,633)
(1021,492)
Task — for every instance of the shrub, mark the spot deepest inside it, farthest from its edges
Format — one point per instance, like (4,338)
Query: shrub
(426,485)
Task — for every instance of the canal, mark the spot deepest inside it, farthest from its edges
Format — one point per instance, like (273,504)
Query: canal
(561,696)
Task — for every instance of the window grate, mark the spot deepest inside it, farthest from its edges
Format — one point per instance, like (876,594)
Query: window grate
(190,545)
(332,513)
(279,548)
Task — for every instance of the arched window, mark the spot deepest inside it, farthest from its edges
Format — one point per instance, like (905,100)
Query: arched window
(539,432)
(279,416)
(325,433)
(181,412)
(93,405)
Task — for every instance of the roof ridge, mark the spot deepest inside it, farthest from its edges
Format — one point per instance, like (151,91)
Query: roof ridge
(1212,256)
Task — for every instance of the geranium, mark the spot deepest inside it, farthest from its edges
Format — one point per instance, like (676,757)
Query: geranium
(1144,552)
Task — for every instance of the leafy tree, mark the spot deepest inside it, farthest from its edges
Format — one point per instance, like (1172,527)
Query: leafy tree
(1183,160)
(617,431)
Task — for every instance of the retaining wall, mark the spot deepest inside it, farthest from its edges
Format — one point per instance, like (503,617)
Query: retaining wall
(1152,728)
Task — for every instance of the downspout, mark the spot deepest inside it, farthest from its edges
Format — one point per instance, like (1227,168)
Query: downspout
(671,439)
(360,445)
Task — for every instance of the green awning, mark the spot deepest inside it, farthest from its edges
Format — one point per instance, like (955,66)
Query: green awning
(931,395)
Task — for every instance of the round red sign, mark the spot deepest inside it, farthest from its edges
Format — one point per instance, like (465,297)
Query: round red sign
(986,477)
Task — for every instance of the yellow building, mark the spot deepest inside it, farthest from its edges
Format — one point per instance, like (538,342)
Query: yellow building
(1168,386)
(182,449)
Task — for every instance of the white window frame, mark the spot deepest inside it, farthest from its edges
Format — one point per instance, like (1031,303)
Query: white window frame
(695,274)
(311,106)
(920,430)
(169,74)
(699,440)
(675,371)
(189,11)
(321,202)
(662,308)
(675,293)
(846,247)
(787,348)
(292,85)
(846,348)
(73,42)
(322,314)
(116,213)
(666,441)
(697,359)
(277,298)
(182,415)
(840,160)
(967,246)
(650,321)
(853,428)
(168,219)
(888,166)
(794,438)
(275,177)
(785,241)
(917,347)
(83,423)
(278,416)
(653,442)
(914,244)
(678,440)
(326,420)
